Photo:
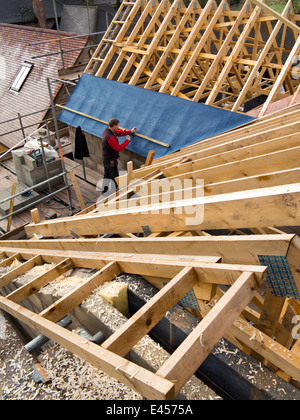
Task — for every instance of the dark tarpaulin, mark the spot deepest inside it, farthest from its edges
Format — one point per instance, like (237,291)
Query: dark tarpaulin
(168,119)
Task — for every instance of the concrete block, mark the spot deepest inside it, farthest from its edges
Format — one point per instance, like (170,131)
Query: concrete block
(31,176)
(29,161)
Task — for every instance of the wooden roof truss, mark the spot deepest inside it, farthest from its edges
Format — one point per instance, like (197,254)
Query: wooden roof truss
(212,55)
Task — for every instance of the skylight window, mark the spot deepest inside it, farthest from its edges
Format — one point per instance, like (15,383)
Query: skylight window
(21,77)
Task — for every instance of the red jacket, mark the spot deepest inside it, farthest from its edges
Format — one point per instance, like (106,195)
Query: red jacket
(113,141)
(110,144)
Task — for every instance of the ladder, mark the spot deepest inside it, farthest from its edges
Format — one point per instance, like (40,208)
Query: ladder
(115,32)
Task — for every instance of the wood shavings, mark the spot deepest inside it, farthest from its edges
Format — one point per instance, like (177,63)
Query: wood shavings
(2,328)
(34,272)
(16,263)
(71,377)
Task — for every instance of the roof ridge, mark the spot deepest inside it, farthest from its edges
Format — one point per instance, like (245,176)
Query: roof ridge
(36,29)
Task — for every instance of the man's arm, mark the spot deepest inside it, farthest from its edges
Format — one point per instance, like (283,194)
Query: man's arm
(113,142)
(125,132)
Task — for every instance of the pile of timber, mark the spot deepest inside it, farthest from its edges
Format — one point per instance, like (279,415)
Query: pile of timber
(235,269)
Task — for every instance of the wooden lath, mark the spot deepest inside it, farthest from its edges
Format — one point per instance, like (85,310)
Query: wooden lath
(213,54)
(109,357)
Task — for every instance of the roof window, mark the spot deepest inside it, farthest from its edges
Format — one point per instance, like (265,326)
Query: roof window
(21,77)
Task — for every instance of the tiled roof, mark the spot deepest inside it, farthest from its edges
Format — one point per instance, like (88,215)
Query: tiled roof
(34,95)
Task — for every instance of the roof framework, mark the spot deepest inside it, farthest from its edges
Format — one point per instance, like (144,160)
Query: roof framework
(251,185)
(213,54)
(251,179)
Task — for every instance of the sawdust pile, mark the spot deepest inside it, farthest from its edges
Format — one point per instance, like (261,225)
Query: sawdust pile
(71,377)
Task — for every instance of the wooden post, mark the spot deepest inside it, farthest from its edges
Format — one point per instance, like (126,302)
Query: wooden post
(150,158)
(77,189)
(35,216)
(11,206)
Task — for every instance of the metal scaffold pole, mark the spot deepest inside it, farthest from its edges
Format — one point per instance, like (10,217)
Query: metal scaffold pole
(59,143)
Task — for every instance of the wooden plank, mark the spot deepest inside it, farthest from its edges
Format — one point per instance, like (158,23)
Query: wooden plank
(11,206)
(18,271)
(233,249)
(77,190)
(288,133)
(124,189)
(36,284)
(35,216)
(209,270)
(195,348)
(67,303)
(106,122)
(267,347)
(219,157)
(136,377)
(149,158)
(147,317)
(9,260)
(233,210)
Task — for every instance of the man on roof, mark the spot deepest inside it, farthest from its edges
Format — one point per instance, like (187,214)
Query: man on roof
(111,148)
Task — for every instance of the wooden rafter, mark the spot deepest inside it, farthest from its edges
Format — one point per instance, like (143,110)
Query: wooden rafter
(212,55)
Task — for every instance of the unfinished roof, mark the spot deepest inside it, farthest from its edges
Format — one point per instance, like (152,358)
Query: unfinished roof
(158,130)
(213,55)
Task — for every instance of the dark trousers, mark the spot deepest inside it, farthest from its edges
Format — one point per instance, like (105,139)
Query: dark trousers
(110,172)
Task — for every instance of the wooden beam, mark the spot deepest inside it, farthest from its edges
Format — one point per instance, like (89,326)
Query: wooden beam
(18,271)
(209,270)
(67,303)
(234,54)
(277,15)
(147,317)
(136,377)
(11,206)
(262,55)
(267,347)
(232,249)
(35,215)
(282,75)
(106,122)
(23,292)
(77,189)
(233,210)
(195,348)
(8,261)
